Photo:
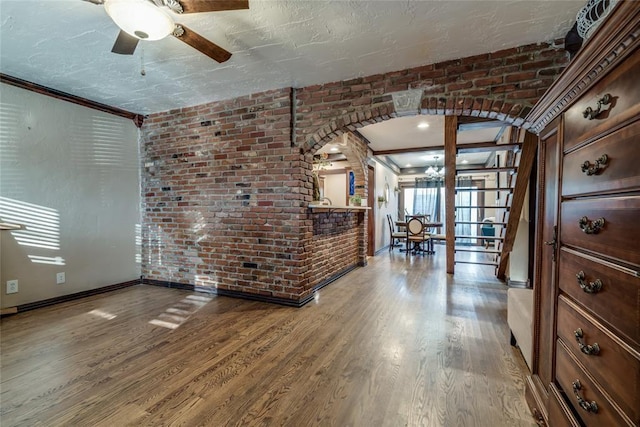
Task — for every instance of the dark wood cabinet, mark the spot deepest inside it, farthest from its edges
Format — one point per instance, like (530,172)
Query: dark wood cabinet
(586,361)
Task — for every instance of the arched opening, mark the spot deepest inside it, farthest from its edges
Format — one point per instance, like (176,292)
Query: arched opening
(477,109)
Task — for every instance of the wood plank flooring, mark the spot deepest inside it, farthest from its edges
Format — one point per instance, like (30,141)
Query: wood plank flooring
(398,343)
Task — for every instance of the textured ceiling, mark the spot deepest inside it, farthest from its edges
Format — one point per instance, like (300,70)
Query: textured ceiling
(65,45)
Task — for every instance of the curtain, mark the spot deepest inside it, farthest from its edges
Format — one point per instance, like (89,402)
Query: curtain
(428,199)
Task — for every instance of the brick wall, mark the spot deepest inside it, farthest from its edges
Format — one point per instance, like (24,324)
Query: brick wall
(502,85)
(221,197)
(335,245)
(225,190)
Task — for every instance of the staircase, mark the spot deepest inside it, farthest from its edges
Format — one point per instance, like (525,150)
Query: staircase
(510,170)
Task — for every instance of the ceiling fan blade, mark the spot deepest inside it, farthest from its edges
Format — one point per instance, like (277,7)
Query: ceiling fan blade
(195,6)
(125,44)
(198,42)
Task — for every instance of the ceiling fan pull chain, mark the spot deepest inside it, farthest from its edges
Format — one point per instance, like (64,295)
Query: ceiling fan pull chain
(142,71)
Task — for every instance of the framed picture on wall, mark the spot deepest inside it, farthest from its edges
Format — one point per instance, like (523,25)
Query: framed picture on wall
(352,183)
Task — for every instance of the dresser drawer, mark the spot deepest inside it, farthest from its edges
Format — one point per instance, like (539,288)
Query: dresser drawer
(584,173)
(622,86)
(618,238)
(559,412)
(606,290)
(568,373)
(615,367)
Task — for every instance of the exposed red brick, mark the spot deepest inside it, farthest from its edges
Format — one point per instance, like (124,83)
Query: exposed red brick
(225,201)
(520,77)
(489,81)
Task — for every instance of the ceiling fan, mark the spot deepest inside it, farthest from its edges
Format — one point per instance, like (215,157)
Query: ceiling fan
(148,20)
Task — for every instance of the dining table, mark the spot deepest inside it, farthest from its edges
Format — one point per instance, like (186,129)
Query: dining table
(427,224)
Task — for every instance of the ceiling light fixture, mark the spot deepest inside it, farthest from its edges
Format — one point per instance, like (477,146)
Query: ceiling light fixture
(140,18)
(465,161)
(423,125)
(433,172)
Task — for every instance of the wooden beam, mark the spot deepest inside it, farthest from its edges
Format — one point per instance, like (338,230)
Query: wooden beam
(384,160)
(331,157)
(43,90)
(470,147)
(478,126)
(509,189)
(481,147)
(527,159)
(465,120)
(475,169)
(409,150)
(450,141)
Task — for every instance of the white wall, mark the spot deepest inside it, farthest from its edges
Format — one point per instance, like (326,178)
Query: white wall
(335,188)
(518,269)
(71,175)
(384,174)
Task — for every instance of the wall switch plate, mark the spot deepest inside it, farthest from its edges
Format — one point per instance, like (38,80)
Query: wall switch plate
(60,278)
(12,286)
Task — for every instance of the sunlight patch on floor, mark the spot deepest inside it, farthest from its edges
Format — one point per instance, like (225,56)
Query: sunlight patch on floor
(179,313)
(102,314)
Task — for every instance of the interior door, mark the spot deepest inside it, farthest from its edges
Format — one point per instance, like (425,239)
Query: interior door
(547,244)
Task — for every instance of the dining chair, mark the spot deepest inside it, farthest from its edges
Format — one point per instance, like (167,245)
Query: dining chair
(429,230)
(417,236)
(396,236)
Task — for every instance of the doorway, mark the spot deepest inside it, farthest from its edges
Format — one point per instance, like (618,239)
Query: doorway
(371,224)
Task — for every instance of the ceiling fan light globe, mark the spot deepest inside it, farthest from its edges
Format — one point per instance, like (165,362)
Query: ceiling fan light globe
(140,18)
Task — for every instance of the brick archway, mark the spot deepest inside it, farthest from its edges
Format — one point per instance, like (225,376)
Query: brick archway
(355,148)
(508,112)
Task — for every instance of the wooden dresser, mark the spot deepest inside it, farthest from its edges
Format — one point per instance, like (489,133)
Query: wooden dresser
(586,361)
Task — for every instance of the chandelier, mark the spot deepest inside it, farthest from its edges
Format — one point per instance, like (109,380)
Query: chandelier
(433,172)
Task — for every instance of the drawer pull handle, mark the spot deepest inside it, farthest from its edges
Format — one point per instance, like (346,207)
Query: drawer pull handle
(588,287)
(591,114)
(594,169)
(538,417)
(591,350)
(587,406)
(591,227)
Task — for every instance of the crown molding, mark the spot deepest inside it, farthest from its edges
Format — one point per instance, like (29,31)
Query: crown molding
(43,90)
(615,39)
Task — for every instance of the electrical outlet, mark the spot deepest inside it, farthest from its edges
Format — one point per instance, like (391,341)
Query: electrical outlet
(12,286)
(60,278)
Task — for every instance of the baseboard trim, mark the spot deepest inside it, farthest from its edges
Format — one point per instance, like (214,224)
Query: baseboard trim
(336,277)
(517,284)
(249,296)
(379,251)
(225,292)
(167,284)
(188,287)
(8,310)
(78,295)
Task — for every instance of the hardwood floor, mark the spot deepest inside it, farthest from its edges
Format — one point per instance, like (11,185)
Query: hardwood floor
(397,343)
